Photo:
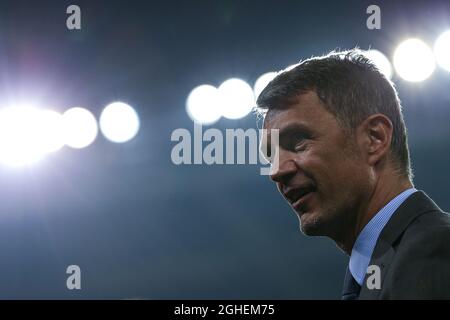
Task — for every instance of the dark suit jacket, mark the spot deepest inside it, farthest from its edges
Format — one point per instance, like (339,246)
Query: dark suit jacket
(413,253)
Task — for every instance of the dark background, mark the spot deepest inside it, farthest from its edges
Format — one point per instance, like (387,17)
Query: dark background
(136,224)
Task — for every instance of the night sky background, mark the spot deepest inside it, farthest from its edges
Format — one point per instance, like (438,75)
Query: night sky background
(138,225)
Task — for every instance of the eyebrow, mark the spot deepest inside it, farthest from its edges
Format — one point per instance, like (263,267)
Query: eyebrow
(294,128)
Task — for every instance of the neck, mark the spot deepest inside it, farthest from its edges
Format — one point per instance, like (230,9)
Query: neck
(386,189)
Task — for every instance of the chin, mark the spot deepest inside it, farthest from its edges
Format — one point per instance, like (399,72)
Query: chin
(310,225)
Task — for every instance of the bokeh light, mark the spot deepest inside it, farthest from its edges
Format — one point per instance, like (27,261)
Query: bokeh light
(119,122)
(236,98)
(19,138)
(262,82)
(381,61)
(414,60)
(79,127)
(50,131)
(442,50)
(202,104)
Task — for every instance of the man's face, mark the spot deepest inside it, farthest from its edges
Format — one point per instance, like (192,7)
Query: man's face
(320,172)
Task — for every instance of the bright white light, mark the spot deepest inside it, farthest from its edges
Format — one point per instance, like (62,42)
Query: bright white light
(50,131)
(202,104)
(442,50)
(381,61)
(19,138)
(290,67)
(79,127)
(119,122)
(236,98)
(262,82)
(414,60)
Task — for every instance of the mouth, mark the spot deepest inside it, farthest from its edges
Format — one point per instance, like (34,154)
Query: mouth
(299,196)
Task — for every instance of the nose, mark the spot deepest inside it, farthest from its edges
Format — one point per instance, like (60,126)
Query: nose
(283,167)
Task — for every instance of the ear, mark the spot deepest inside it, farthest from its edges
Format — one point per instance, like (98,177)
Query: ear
(374,137)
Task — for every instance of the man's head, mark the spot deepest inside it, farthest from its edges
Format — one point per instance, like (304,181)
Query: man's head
(341,131)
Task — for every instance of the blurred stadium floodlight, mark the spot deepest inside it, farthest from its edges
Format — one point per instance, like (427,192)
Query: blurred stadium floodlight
(79,127)
(262,82)
(19,139)
(50,131)
(119,122)
(381,61)
(236,98)
(202,104)
(442,50)
(414,60)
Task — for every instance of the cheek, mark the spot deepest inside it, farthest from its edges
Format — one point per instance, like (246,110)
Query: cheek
(322,166)
(334,172)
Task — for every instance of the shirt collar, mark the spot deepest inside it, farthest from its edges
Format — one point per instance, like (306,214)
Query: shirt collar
(367,239)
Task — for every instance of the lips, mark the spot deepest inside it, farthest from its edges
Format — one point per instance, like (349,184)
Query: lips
(297,196)
(299,205)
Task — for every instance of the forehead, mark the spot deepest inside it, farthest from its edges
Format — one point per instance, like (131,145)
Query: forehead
(307,110)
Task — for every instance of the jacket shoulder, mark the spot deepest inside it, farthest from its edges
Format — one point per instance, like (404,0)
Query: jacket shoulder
(421,266)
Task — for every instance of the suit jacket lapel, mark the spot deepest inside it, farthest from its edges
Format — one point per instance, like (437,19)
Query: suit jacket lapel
(416,204)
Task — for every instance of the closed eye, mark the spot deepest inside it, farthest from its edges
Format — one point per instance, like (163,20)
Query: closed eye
(301,146)
(294,136)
